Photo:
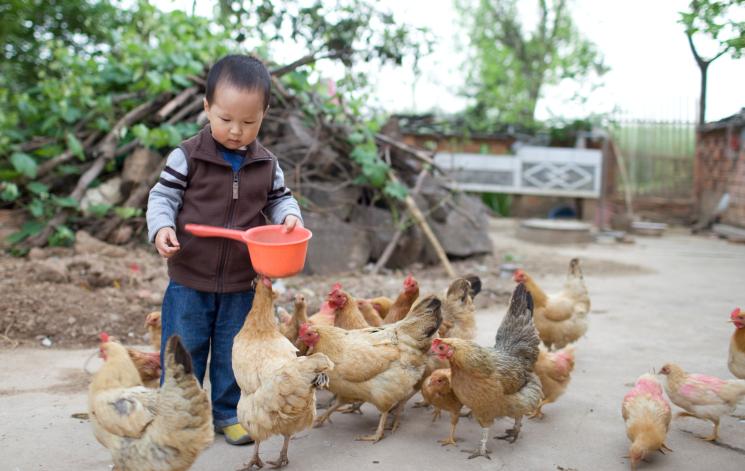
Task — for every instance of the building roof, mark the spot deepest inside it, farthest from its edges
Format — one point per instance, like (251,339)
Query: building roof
(736,120)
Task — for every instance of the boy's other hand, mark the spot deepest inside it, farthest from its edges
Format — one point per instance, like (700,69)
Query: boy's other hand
(166,242)
(291,222)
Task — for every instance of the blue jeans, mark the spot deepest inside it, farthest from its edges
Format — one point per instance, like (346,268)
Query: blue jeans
(204,319)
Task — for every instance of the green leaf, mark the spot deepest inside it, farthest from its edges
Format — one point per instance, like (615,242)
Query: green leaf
(37,188)
(99,210)
(65,202)
(396,190)
(29,228)
(9,191)
(24,163)
(126,212)
(67,169)
(74,146)
(7,174)
(62,237)
(36,208)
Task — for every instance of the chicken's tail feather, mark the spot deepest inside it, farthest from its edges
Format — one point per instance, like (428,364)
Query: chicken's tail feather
(475,283)
(177,354)
(424,319)
(574,269)
(517,335)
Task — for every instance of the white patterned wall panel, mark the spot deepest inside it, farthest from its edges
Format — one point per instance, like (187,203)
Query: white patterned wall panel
(533,170)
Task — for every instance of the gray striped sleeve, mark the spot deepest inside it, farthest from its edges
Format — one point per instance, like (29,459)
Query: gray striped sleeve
(166,196)
(280,202)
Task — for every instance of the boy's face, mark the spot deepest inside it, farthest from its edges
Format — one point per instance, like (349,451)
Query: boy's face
(235,115)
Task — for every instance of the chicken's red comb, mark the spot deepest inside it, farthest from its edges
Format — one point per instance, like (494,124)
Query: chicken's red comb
(436,342)
(410,279)
(104,337)
(736,313)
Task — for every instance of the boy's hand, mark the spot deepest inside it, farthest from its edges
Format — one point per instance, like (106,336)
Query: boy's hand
(166,242)
(291,222)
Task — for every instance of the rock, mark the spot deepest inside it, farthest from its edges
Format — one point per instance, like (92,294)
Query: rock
(108,193)
(37,253)
(461,235)
(52,270)
(432,200)
(86,244)
(140,165)
(341,201)
(336,246)
(378,223)
(121,235)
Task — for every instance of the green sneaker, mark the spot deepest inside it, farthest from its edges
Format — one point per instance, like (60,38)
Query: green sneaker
(235,435)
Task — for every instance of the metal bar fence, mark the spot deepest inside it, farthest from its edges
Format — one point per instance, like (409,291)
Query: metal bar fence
(659,154)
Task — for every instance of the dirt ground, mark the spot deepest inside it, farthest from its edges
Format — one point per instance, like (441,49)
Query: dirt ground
(658,300)
(65,297)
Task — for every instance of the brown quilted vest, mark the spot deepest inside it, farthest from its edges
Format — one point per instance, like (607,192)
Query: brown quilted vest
(217,196)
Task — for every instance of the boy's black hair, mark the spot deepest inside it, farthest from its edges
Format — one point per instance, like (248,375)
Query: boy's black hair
(241,71)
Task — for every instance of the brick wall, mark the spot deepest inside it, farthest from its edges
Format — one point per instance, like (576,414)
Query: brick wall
(720,168)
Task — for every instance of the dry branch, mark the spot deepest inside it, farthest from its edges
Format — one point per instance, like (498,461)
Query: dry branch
(388,251)
(177,101)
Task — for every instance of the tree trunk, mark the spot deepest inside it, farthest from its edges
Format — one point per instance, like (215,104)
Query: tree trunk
(704,67)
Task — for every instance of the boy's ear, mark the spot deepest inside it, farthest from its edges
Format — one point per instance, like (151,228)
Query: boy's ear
(266,110)
(206,105)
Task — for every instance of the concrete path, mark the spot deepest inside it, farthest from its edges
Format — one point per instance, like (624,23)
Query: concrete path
(677,312)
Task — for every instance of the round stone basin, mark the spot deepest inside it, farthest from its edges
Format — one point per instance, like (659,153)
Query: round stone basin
(554,231)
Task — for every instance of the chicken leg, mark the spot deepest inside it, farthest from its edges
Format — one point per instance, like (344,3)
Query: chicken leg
(453,423)
(715,435)
(255,460)
(379,433)
(481,451)
(538,414)
(511,434)
(282,460)
(326,415)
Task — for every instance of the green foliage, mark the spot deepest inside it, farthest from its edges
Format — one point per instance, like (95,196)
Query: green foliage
(73,92)
(510,66)
(73,69)
(500,203)
(717,21)
(348,30)
(81,26)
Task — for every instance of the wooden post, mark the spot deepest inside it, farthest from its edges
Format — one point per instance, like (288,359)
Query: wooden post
(416,213)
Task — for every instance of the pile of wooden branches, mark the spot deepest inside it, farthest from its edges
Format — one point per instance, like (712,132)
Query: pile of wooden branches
(314,151)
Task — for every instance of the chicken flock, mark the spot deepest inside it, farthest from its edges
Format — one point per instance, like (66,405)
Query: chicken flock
(382,352)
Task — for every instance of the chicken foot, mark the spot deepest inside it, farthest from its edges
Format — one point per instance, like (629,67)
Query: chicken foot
(511,434)
(255,460)
(379,433)
(481,451)
(453,423)
(354,408)
(282,460)
(326,415)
